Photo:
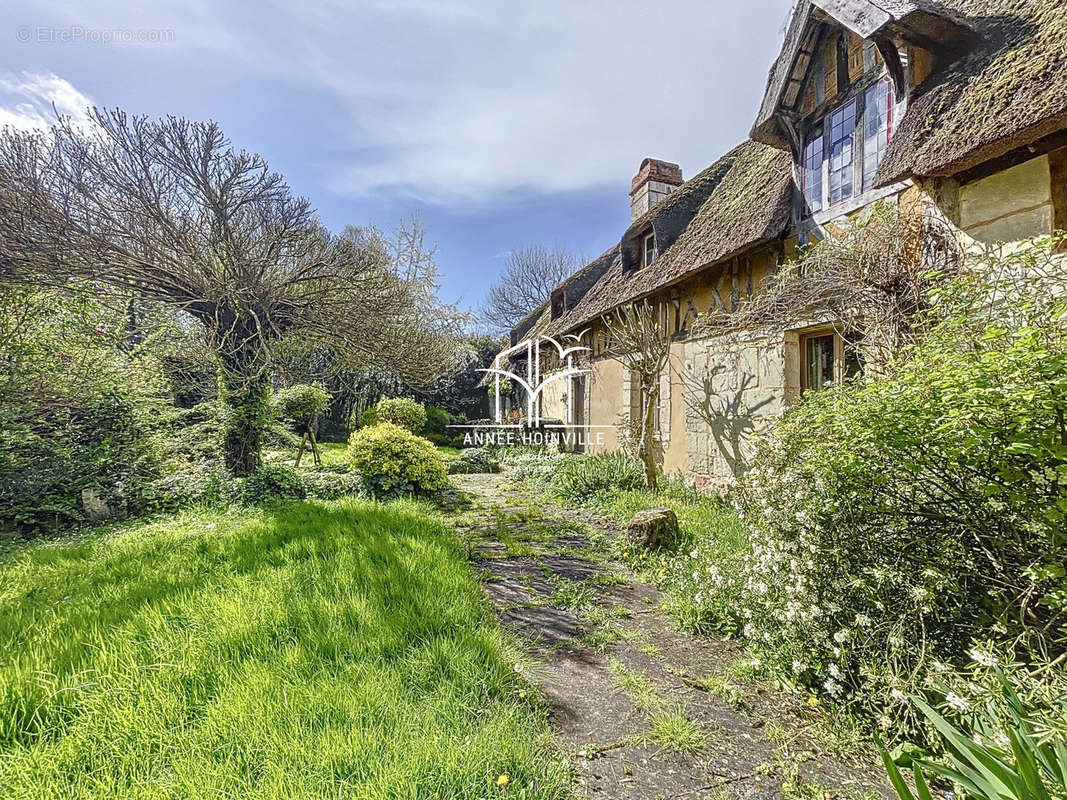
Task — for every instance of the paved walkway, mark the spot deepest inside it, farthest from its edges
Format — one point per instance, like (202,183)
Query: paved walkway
(643,710)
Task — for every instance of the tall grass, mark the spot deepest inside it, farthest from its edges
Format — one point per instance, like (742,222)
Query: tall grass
(313,650)
(713,538)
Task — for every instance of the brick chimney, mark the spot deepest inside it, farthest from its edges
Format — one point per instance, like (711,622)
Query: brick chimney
(654,180)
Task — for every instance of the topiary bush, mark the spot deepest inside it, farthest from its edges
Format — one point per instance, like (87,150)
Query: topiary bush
(402,411)
(393,461)
(301,403)
(270,483)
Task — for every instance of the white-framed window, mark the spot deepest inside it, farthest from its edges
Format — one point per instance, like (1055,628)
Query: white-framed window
(648,252)
(812,174)
(842,135)
(877,128)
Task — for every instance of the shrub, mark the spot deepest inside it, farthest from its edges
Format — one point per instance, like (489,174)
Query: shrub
(270,483)
(474,460)
(98,442)
(402,411)
(75,410)
(368,419)
(896,520)
(200,484)
(437,427)
(581,478)
(437,422)
(329,485)
(301,403)
(393,461)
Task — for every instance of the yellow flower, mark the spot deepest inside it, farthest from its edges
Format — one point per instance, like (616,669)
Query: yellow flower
(813,701)
(503,780)
(522,694)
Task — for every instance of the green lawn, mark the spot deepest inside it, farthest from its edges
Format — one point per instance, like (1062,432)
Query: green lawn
(314,650)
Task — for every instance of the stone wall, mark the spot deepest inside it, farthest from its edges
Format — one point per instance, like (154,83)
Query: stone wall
(733,387)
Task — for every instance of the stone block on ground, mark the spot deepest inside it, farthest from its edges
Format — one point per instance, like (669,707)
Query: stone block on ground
(653,529)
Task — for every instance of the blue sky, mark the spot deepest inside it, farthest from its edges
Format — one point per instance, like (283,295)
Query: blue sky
(501,124)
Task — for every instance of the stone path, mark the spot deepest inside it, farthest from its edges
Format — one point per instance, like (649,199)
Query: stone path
(643,710)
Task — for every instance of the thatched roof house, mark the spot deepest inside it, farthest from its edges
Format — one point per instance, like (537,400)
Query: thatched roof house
(955,107)
(741,200)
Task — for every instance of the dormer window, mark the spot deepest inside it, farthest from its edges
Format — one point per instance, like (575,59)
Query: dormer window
(877,119)
(842,131)
(812,173)
(648,252)
(844,149)
(558,304)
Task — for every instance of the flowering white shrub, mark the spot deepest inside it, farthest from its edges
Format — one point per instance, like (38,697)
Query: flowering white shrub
(895,521)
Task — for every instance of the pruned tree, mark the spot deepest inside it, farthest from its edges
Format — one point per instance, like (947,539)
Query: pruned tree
(639,341)
(169,211)
(530,274)
(871,279)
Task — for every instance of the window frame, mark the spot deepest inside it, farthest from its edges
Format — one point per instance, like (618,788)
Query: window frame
(833,140)
(805,171)
(821,118)
(805,361)
(885,83)
(648,260)
(840,357)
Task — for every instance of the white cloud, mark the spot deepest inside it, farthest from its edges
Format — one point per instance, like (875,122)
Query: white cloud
(468,101)
(31,100)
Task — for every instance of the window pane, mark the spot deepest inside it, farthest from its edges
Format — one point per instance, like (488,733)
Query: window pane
(875,130)
(819,358)
(842,129)
(813,174)
(650,249)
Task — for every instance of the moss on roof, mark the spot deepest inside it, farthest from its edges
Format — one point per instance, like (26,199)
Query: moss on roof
(1010,91)
(741,200)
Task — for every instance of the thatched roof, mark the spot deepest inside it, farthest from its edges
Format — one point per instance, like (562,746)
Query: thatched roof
(1008,92)
(574,288)
(741,200)
(924,22)
(532,324)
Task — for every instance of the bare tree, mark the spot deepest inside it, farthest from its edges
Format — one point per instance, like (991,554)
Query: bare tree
(169,211)
(530,274)
(639,342)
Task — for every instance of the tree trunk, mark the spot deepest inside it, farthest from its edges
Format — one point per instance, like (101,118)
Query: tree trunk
(245,392)
(648,454)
